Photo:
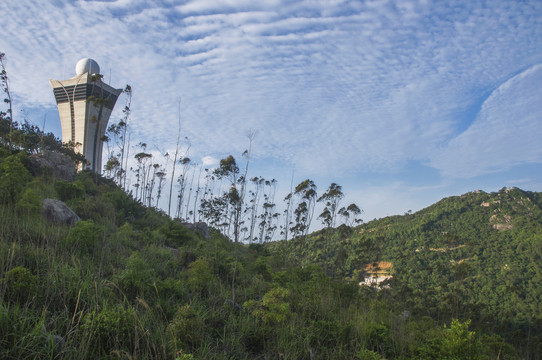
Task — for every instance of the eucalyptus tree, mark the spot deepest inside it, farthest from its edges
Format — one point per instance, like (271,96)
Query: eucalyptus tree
(4,82)
(268,217)
(197,194)
(123,124)
(306,195)
(253,204)
(117,159)
(188,212)
(177,148)
(331,199)
(237,184)
(151,182)
(182,183)
(229,170)
(142,159)
(161,179)
(287,218)
(351,214)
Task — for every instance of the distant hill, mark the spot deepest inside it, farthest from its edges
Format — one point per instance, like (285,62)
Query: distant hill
(476,256)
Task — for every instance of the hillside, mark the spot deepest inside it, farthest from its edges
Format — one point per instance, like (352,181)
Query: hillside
(477,256)
(128,282)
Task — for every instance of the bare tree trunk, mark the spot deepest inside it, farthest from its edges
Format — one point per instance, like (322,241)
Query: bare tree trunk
(174,161)
(127,90)
(197,194)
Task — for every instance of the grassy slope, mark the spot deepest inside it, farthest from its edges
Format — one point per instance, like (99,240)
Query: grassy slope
(127,282)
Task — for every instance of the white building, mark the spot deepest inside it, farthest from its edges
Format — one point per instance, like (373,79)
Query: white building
(85,103)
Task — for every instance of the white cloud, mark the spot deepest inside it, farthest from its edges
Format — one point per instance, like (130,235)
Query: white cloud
(332,86)
(209,161)
(507,131)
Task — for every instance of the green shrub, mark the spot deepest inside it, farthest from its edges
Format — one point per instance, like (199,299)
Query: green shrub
(377,336)
(175,233)
(69,190)
(459,342)
(365,354)
(13,177)
(454,342)
(261,267)
(88,179)
(109,328)
(125,207)
(273,307)
(186,330)
(83,237)
(20,284)
(29,203)
(94,208)
(200,275)
(137,278)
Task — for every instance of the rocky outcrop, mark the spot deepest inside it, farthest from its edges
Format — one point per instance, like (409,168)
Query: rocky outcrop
(501,222)
(58,213)
(53,163)
(200,227)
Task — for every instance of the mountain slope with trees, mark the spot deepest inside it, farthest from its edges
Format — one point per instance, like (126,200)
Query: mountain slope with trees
(477,256)
(127,281)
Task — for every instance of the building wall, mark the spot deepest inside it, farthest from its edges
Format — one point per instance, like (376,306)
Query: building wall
(88,132)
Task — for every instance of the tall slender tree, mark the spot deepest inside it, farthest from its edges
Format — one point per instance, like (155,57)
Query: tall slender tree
(4,81)
(175,159)
(331,199)
(125,143)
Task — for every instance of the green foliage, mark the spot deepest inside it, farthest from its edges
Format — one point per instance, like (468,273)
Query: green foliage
(475,256)
(20,284)
(83,237)
(137,279)
(273,307)
(455,342)
(30,203)
(365,354)
(175,233)
(13,177)
(186,330)
(89,181)
(377,336)
(109,328)
(128,282)
(69,190)
(22,334)
(260,267)
(200,275)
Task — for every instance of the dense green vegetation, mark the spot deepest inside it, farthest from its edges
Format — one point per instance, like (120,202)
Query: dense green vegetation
(475,257)
(128,282)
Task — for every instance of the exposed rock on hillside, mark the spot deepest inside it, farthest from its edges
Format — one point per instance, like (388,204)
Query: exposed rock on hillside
(59,213)
(503,222)
(200,227)
(58,165)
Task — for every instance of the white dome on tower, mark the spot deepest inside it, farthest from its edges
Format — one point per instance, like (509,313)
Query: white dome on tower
(87,65)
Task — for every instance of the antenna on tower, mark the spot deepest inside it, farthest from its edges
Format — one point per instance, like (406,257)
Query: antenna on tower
(110,74)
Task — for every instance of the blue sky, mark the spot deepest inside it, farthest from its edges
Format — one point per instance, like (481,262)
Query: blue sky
(400,102)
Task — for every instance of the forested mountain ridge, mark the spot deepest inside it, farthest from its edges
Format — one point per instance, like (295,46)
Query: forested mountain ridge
(476,256)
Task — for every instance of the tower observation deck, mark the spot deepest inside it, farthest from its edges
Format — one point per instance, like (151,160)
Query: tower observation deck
(85,104)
